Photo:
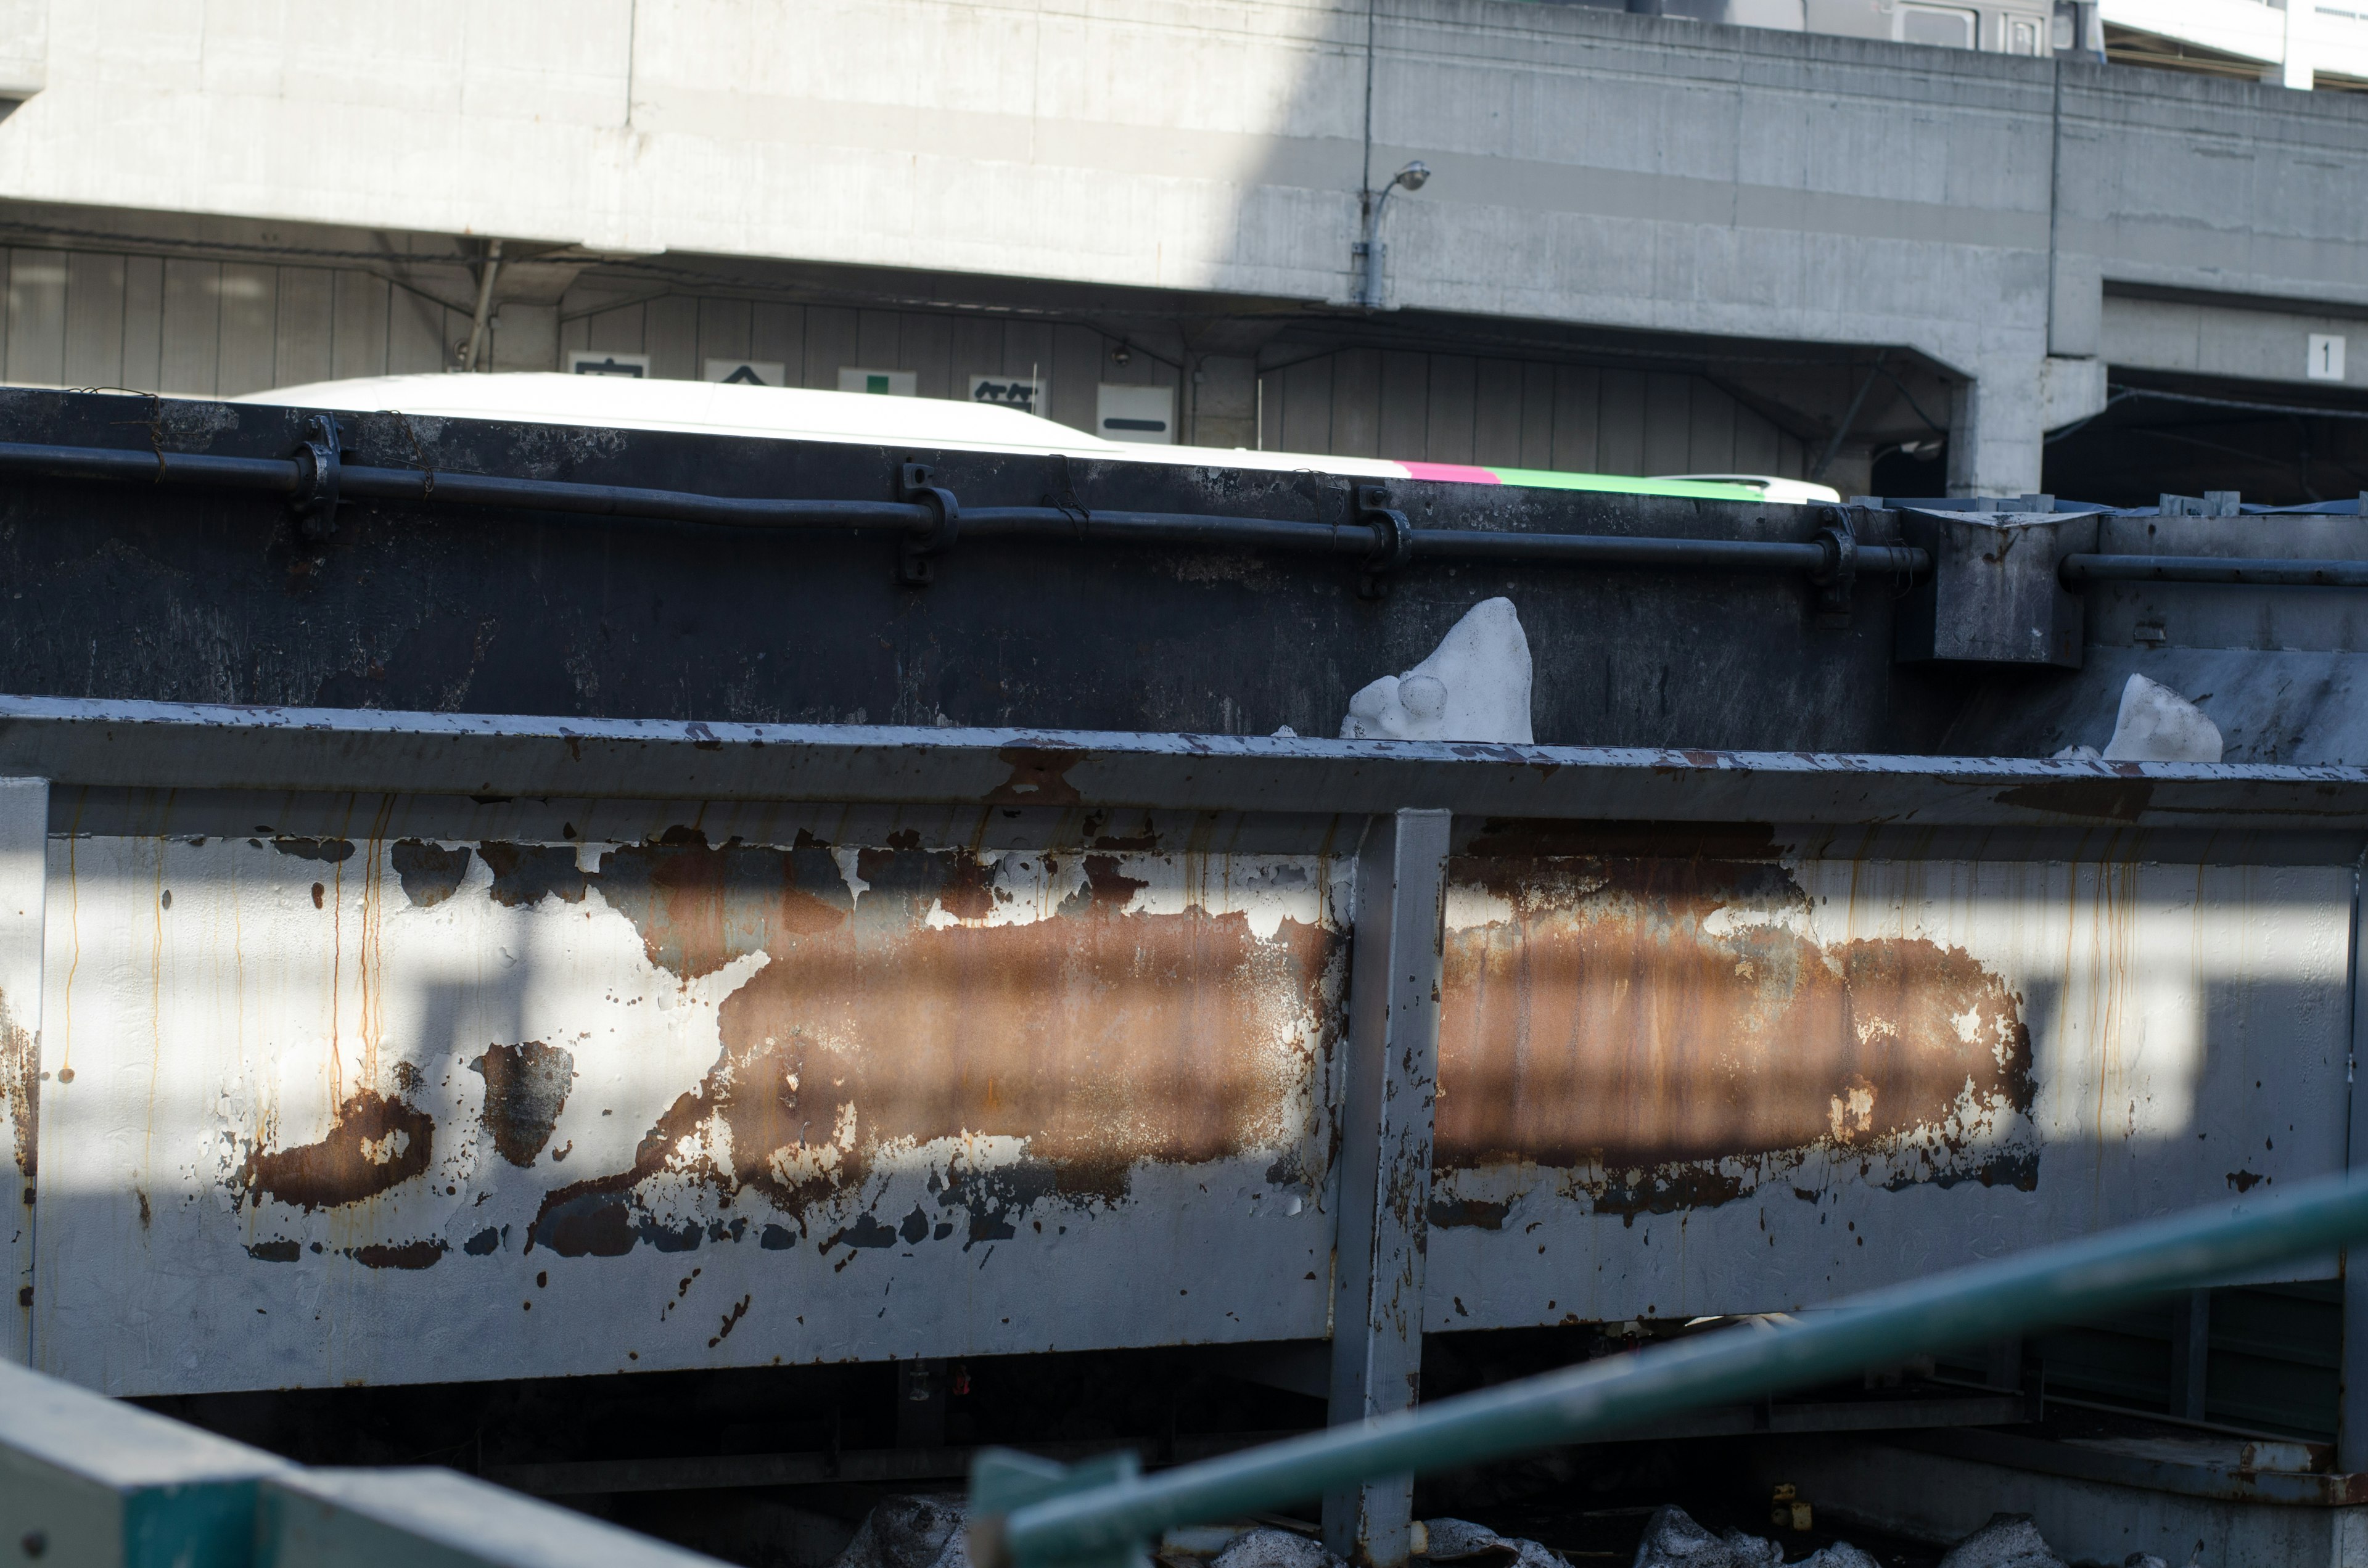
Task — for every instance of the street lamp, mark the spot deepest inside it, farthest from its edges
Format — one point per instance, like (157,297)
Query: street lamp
(1369,250)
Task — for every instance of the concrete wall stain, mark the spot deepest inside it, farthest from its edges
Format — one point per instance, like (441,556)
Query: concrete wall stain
(525,1088)
(1652,1026)
(374,1143)
(1101,1038)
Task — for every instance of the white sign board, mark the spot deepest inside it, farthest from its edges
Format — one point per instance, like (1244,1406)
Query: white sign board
(1030,394)
(2326,363)
(747,372)
(883,383)
(601,362)
(1135,414)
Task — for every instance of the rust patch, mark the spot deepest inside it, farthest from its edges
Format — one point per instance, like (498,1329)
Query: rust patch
(430,873)
(331,850)
(1040,776)
(374,1144)
(525,873)
(1102,1037)
(525,1088)
(1614,1028)
(405,1254)
(281,1249)
(731,1321)
(1451,1213)
(699,908)
(2098,800)
(20,1093)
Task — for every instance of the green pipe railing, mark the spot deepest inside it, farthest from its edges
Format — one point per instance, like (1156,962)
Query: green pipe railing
(1031,1514)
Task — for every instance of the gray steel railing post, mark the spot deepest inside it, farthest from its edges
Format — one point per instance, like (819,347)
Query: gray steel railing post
(1393,1071)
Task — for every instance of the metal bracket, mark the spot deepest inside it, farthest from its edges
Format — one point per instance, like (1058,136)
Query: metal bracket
(1837,580)
(914,566)
(1392,540)
(317,457)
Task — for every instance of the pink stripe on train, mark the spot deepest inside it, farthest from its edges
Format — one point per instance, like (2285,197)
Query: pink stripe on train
(1456,474)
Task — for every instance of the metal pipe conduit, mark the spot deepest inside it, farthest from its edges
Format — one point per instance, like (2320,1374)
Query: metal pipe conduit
(288,477)
(2257,572)
(1037,1516)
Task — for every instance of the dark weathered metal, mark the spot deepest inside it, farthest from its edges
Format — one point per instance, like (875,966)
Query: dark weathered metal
(1731,556)
(1994,595)
(192,592)
(1381,537)
(134,744)
(2266,572)
(1102,1525)
(2156,1473)
(2351,1384)
(1385,1160)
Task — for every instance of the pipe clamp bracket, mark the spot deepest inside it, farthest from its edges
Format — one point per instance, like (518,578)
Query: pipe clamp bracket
(314,500)
(1837,579)
(915,565)
(1392,540)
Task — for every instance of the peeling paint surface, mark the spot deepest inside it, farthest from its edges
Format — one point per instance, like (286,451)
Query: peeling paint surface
(356,1105)
(24,836)
(1686,1085)
(499,1109)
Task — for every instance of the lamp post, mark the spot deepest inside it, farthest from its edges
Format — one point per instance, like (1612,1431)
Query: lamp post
(1369,250)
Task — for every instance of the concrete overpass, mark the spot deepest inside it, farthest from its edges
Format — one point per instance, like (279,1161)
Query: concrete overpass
(1648,244)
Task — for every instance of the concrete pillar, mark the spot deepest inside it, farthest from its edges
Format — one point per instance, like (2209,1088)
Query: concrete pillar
(525,338)
(2299,69)
(1996,422)
(1224,393)
(1386,1143)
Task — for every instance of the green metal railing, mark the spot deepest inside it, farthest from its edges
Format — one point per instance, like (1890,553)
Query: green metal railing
(1034,1514)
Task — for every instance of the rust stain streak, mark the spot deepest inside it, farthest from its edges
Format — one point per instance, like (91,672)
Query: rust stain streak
(1656,1021)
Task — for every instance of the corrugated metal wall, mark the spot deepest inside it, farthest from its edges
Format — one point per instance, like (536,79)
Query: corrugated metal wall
(1456,408)
(209,328)
(205,328)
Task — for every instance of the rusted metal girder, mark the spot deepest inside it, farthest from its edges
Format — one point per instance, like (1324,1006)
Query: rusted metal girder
(139,745)
(1385,1160)
(388,1048)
